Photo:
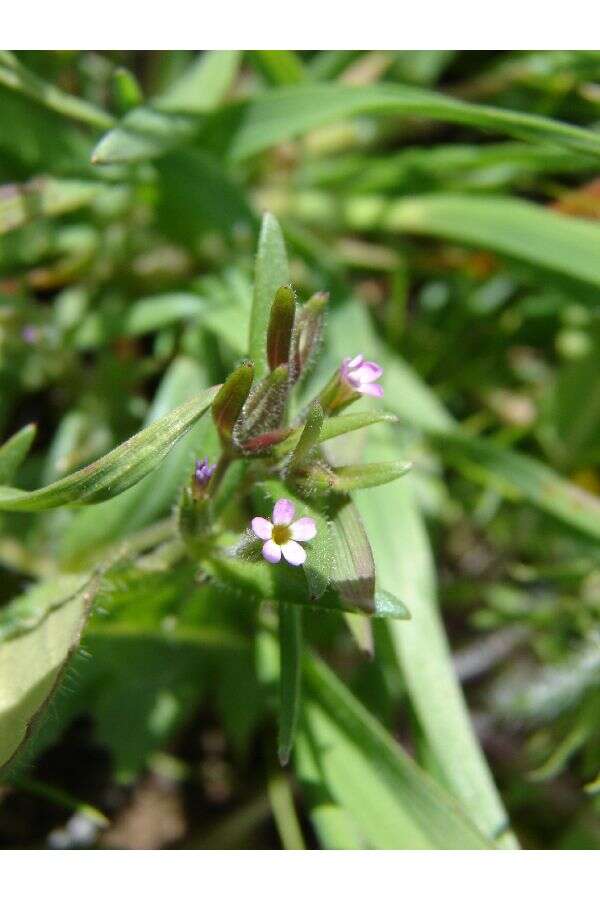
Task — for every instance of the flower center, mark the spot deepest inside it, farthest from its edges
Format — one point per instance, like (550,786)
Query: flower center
(281,534)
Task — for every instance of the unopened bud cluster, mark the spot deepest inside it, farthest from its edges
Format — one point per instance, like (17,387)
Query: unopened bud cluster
(252,421)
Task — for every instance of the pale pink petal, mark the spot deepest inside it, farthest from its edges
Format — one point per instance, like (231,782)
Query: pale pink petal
(271,552)
(369,372)
(356,361)
(304,529)
(283,512)
(293,552)
(374,390)
(262,528)
(353,379)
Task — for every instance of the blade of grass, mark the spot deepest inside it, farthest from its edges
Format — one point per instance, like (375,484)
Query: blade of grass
(290,650)
(285,113)
(152,130)
(15,76)
(394,804)
(14,451)
(403,557)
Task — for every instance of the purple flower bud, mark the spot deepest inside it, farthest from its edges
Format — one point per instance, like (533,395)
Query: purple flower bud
(203,472)
(30,334)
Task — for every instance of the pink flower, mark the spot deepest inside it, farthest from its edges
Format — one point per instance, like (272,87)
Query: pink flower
(361,376)
(282,534)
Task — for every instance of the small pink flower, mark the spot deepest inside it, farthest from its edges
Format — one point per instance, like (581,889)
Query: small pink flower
(282,534)
(361,376)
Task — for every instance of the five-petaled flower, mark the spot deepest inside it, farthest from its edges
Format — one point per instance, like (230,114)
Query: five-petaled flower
(281,536)
(361,375)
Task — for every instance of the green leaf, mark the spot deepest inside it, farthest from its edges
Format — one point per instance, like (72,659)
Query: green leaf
(258,581)
(92,528)
(519,476)
(38,633)
(403,557)
(334,427)
(353,567)
(15,76)
(119,469)
(285,113)
(345,479)
(515,473)
(14,451)
(280,66)
(309,435)
(42,198)
(335,828)
(512,227)
(290,649)
(271,273)
(391,802)
(150,131)
(203,86)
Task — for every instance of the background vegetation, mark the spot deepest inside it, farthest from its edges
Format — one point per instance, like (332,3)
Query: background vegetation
(448,203)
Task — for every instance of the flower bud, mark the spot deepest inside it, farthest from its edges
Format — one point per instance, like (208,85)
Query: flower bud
(354,377)
(230,400)
(307,334)
(201,478)
(281,325)
(264,408)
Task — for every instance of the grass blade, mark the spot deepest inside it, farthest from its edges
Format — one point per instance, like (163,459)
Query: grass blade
(403,557)
(290,649)
(15,76)
(392,802)
(153,130)
(14,451)
(287,112)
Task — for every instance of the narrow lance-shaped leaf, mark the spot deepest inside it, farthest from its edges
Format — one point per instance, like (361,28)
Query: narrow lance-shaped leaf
(271,272)
(119,469)
(345,479)
(403,556)
(93,527)
(284,113)
(521,476)
(15,76)
(353,565)
(38,632)
(336,426)
(14,451)
(309,437)
(391,801)
(290,649)
(259,581)
(280,66)
(152,130)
